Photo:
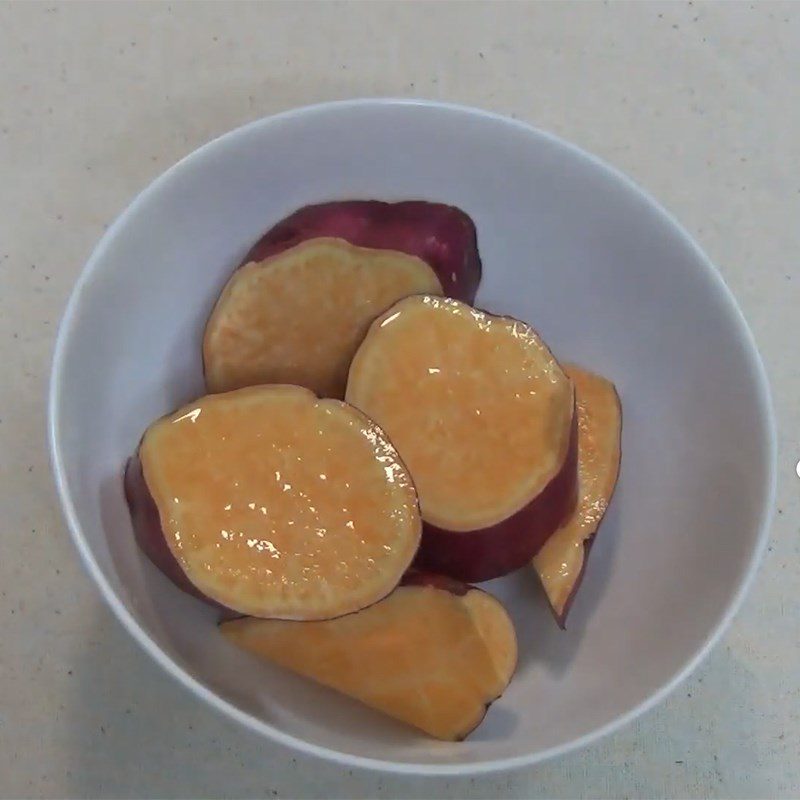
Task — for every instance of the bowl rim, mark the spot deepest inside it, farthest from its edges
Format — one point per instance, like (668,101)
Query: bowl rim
(259,726)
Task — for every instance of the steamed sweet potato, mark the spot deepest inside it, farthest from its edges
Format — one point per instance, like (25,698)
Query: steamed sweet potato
(432,654)
(298,316)
(483,415)
(441,235)
(273,503)
(561,562)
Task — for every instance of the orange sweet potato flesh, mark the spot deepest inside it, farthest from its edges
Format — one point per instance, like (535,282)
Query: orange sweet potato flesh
(297,317)
(561,562)
(273,503)
(425,655)
(483,415)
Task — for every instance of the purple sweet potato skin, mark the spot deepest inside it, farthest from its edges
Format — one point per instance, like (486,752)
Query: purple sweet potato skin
(443,236)
(148,532)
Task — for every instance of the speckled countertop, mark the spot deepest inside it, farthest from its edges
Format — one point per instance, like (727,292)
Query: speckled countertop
(700,103)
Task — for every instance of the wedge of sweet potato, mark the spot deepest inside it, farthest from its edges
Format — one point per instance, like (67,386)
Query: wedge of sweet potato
(432,654)
(298,316)
(441,235)
(483,416)
(272,503)
(561,562)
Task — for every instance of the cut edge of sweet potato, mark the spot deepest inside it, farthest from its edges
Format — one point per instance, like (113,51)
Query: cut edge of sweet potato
(561,562)
(425,655)
(275,503)
(298,316)
(147,531)
(497,631)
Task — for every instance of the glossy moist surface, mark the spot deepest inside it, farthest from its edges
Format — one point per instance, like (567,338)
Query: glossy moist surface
(299,316)
(561,561)
(276,503)
(477,406)
(423,655)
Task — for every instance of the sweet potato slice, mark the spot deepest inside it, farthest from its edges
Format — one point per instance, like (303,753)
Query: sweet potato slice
(562,560)
(275,504)
(483,416)
(429,656)
(441,235)
(298,317)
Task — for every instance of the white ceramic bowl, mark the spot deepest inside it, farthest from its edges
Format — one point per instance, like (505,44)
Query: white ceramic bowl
(607,277)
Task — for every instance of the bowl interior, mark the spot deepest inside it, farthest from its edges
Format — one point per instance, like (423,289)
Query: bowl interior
(567,245)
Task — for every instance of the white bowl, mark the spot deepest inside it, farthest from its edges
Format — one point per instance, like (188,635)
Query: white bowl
(607,277)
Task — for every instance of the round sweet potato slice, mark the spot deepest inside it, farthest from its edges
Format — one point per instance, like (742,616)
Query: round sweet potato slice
(274,503)
(483,415)
(298,317)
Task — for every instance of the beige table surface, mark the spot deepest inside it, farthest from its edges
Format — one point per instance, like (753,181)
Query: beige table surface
(700,103)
